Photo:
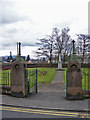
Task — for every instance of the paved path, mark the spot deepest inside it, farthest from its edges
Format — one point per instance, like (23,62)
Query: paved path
(49,96)
(57,85)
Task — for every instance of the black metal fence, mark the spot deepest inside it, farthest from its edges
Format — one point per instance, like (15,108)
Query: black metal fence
(31,82)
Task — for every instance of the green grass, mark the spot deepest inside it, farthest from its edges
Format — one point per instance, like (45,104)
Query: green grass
(48,77)
(85,78)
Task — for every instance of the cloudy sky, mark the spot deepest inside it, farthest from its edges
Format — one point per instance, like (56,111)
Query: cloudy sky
(27,20)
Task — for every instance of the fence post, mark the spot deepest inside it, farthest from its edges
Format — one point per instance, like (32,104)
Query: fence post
(26,82)
(36,80)
(8,79)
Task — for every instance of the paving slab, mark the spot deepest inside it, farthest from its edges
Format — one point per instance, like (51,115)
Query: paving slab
(47,100)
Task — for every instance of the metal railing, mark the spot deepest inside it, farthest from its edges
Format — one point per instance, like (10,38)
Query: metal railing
(32,81)
(86,79)
(30,76)
(5,77)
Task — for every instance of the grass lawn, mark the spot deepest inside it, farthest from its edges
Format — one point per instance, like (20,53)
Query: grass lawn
(45,75)
(85,78)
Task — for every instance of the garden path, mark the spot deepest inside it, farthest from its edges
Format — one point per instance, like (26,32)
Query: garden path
(57,84)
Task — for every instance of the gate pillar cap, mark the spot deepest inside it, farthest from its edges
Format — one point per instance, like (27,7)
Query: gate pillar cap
(74,65)
(19,62)
(19,59)
(74,62)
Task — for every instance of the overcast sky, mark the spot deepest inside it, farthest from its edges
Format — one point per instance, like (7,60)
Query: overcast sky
(27,20)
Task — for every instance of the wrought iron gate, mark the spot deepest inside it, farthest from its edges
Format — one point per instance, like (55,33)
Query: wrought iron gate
(31,81)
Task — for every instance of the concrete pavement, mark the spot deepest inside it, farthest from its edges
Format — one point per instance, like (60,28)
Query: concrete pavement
(49,96)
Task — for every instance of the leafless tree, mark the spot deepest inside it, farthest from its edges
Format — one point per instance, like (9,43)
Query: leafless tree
(62,43)
(57,43)
(45,47)
(82,44)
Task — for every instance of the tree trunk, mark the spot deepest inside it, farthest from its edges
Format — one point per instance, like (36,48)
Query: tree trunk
(50,60)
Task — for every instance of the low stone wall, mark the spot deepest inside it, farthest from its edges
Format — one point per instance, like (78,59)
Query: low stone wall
(41,65)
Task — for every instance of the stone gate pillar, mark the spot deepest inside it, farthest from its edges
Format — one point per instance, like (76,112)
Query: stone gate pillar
(74,78)
(18,79)
(18,76)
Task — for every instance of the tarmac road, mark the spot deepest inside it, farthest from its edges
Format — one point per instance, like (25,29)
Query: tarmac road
(19,112)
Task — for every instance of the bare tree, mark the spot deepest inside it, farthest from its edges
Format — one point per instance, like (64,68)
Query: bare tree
(82,44)
(55,43)
(62,42)
(45,47)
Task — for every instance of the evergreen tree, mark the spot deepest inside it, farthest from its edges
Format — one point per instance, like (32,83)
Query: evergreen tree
(28,58)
